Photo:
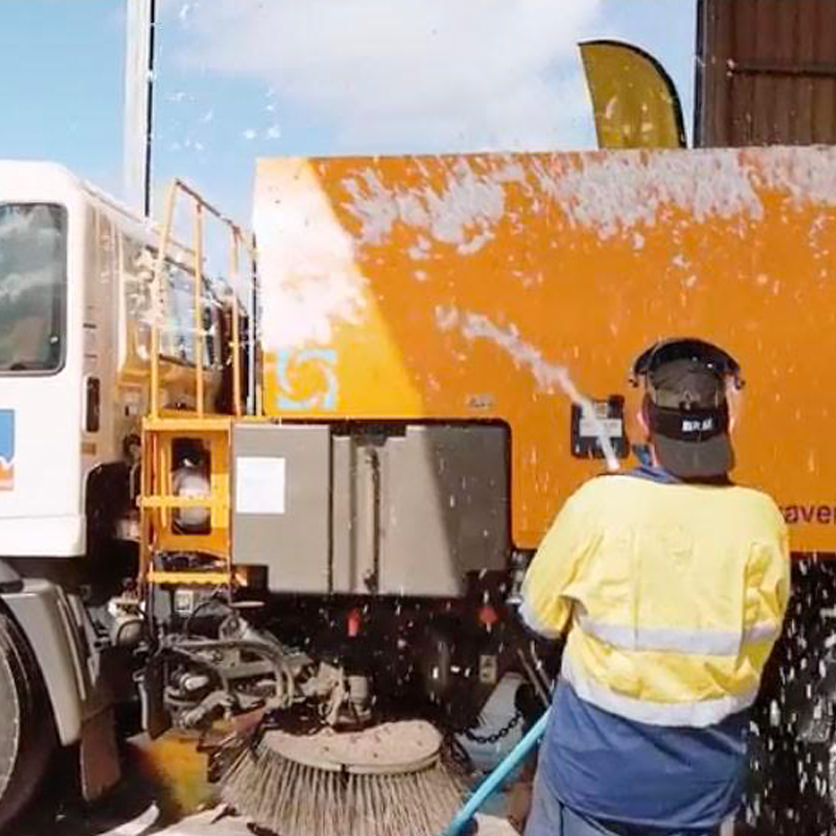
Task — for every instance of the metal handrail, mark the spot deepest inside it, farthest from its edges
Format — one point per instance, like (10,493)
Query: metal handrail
(239,237)
(236,325)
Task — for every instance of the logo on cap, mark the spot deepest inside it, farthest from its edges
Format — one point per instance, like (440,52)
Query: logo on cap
(689,425)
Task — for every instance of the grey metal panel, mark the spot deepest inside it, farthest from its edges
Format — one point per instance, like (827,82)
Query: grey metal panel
(444,508)
(343,545)
(767,72)
(294,544)
(406,514)
(39,612)
(354,513)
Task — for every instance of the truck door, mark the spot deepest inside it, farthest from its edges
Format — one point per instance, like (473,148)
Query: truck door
(40,399)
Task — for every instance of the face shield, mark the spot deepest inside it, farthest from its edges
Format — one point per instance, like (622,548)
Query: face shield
(690,389)
(698,351)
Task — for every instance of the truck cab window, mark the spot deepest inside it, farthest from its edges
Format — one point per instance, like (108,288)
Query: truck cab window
(33,287)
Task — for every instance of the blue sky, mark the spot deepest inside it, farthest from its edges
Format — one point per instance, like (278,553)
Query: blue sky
(238,79)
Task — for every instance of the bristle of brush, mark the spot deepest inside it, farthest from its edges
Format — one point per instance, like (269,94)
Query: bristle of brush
(287,798)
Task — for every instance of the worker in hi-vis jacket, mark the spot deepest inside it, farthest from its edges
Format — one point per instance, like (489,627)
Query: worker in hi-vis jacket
(670,584)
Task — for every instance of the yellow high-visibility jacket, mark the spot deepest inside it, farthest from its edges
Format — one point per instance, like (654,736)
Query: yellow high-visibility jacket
(673,594)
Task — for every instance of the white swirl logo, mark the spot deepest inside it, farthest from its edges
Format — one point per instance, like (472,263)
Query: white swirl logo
(289,363)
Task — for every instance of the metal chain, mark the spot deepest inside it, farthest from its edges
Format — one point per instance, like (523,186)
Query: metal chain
(497,735)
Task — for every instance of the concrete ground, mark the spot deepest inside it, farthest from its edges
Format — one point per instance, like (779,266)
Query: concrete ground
(110,820)
(212,823)
(202,825)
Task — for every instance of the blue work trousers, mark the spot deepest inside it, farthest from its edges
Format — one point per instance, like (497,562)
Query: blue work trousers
(549,817)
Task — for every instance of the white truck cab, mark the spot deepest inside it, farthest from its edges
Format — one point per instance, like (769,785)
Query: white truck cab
(76,272)
(67,262)
(43,262)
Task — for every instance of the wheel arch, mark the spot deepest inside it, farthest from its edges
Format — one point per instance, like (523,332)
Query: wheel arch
(40,610)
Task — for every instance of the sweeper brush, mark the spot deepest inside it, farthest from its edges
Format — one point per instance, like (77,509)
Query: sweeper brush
(390,780)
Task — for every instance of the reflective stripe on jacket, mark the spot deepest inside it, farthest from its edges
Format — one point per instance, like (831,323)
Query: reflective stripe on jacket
(674,595)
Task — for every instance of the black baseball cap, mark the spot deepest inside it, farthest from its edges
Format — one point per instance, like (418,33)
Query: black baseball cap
(686,406)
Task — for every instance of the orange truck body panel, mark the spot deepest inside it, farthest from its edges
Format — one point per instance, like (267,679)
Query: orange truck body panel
(461,287)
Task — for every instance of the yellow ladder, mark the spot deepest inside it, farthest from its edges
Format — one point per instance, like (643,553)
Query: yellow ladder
(158,502)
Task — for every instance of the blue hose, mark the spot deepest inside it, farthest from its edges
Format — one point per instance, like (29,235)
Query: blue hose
(487,788)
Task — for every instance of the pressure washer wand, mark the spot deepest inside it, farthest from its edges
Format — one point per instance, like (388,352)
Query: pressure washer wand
(487,788)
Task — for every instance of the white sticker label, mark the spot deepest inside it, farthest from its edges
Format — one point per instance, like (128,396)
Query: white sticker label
(613,427)
(488,670)
(260,485)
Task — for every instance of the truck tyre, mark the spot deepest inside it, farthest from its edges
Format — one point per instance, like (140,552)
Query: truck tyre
(27,735)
